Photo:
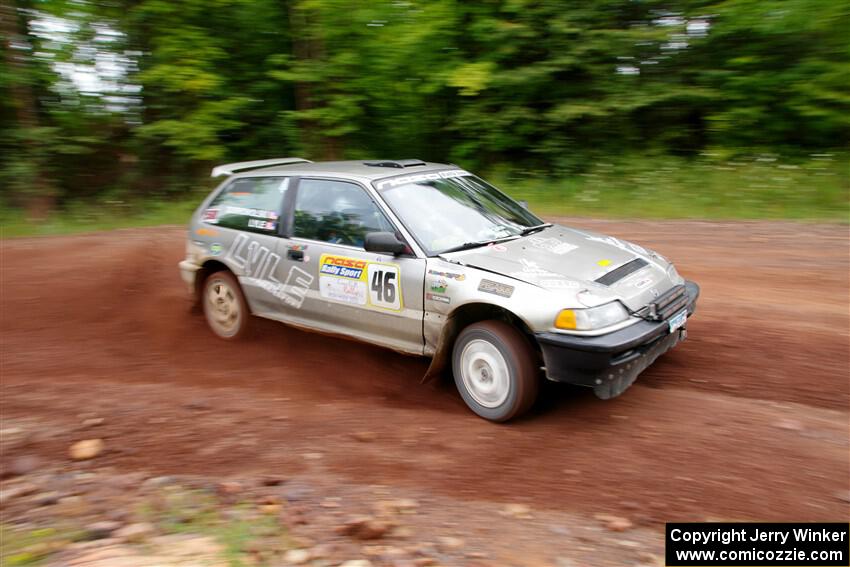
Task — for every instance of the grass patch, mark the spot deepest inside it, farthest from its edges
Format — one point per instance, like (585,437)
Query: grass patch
(32,546)
(90,217)
(765,187)
(706,188)
(243,530)
(247,535)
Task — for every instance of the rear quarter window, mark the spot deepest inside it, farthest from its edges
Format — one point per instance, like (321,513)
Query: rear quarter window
(251,204)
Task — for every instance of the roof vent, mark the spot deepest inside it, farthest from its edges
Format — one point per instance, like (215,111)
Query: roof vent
(399,163)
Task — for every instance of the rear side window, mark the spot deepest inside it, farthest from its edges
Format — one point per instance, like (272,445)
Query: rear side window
(336,212)
(251,204)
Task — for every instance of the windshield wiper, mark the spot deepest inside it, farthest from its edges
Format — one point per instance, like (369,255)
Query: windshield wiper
(466,246)
(529,230)
(479,243)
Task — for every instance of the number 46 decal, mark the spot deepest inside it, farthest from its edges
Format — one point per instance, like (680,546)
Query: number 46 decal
(384,290)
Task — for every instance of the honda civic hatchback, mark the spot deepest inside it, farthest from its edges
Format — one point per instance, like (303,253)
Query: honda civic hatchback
(430,260)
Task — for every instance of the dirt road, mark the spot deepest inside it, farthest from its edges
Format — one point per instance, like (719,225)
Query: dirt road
(748,419)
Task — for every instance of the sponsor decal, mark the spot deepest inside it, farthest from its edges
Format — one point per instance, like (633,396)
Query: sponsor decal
(297,247)
(531,270)
(206,232)
(216,248)
(621,244)
(342,267)
(449,275)
(642,283)
(258,265)
(559,284)
(532,267)
(262,224)
(210,215)
(247,212)
(436,176)
(603,263)
(297,284)
(440,285)
(496,288)
(497,247)
(437,298)
(359,282)
(553,245)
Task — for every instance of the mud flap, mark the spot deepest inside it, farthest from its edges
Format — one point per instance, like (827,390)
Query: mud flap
(442,355)
(618,380)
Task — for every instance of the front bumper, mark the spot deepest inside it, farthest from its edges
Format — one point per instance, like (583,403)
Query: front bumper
(610,363)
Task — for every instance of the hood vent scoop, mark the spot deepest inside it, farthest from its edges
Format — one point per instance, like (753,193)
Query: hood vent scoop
(617,274)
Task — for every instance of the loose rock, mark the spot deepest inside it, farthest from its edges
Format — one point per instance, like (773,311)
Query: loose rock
(789,425)
(86,449)
(103,529)
(46,499)
(843,495)
(364,436)
(517,511)
(157,482)
(229,488)
(21,466)
(271,481)
(406,505)
(22,489)
(451,543)
(614,523)
(197,405)
(297,556)
(135,533)
(364,527)
(392,507)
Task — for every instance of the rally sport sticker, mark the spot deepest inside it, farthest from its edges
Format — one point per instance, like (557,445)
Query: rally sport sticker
(359,282)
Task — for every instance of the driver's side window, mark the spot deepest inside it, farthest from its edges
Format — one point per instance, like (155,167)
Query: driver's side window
(336,212)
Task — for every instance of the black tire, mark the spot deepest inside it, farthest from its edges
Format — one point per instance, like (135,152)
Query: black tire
(522,379)
(234,324)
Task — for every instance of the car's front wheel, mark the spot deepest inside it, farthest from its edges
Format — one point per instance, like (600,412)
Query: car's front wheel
(494,370)
(225,308)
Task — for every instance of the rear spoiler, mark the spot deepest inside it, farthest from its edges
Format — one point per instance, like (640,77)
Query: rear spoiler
(231,168)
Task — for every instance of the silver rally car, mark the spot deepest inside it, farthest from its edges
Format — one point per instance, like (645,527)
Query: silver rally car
(428,259)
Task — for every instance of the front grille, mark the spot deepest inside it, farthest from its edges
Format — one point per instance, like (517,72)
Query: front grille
(617,274)
(669,303)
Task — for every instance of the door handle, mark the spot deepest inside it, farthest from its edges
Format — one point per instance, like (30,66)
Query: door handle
(297,255)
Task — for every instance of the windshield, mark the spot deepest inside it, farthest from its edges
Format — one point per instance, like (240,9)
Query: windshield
(455,212)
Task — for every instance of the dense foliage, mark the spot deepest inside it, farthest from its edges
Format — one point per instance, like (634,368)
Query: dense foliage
(545,85)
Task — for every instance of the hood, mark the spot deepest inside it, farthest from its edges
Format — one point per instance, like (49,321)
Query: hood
(562,259)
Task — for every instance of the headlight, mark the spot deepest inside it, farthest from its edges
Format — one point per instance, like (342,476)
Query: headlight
(593,318)
(674,275)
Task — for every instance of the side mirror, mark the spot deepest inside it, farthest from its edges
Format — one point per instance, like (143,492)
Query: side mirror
(384,242)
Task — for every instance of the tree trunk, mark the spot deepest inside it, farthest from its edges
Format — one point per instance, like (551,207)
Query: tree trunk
(39,198)
(301,51)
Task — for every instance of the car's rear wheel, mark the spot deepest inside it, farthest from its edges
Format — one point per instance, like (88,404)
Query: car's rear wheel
(225,307)
(494,370)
